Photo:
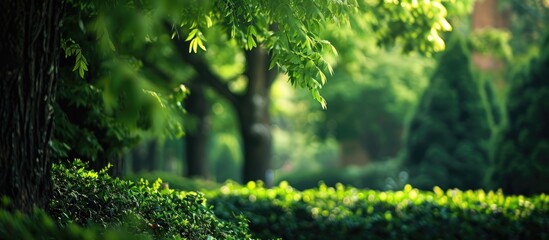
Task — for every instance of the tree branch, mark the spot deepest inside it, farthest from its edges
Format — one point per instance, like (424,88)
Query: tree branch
(153,69)
(205,73)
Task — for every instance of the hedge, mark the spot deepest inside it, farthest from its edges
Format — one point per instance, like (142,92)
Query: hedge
(89,205)
(349,213)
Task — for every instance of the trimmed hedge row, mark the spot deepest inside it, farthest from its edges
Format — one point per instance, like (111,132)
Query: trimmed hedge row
(143,211)
(86,197)
(349,213)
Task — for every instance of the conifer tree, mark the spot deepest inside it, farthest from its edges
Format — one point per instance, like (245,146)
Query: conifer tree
(447,142)
(522,155)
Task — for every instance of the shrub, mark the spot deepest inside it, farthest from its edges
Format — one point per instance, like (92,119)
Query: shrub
(350,213)
(38,225)
(83,197)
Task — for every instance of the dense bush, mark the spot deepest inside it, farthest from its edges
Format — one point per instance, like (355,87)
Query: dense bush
(82,197)
(350,213)
(38,225)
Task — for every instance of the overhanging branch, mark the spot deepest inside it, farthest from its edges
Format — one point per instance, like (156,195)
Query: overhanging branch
(205,73)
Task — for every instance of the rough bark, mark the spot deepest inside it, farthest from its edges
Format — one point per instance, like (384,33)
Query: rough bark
(30,49)
(196,139)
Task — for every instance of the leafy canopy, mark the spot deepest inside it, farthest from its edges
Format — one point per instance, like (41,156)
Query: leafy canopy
(290,30)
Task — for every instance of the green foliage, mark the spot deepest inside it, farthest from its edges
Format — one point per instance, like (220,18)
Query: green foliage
(349,213)
(175,181)
(527,20)
(448,137)
(398,20)
(84,129)
(289,30)
(121,98)
(38,225)
(82,197)
(386,86)
(492,42)
(73,49)
(522,153)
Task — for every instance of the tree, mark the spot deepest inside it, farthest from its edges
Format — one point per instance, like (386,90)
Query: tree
(31,42)
(522,153)
(198,109)
(288,37)
(30,46)
(447,141)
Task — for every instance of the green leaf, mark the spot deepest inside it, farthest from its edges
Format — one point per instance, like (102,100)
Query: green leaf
(200,44)
(322,77)
(81,72)
(193,46)
(192,34)
(208,21)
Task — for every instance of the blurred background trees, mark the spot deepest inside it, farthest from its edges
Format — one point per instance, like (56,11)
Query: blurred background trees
(392,118)
(244,78)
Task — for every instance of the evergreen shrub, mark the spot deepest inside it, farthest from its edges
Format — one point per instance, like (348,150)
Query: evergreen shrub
(447,143)
(87,197)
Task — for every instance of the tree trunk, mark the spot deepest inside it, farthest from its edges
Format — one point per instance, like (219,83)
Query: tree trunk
(252,107)
(144,156)
(30,49)
(196,139)
(103,160)
(254,117)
